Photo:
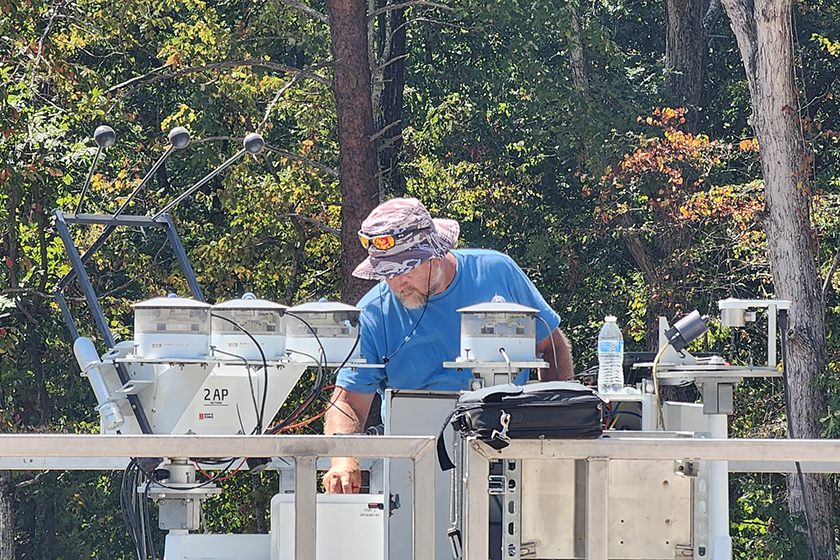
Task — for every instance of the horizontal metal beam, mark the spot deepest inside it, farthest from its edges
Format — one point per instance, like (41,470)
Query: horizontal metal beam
(109,220)
(30,451)
(71,445)
(817,451)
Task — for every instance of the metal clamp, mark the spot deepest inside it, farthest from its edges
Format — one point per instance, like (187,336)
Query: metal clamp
(504,421)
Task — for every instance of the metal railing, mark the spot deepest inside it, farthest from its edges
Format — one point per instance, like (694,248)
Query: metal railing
(305,451)
(599,452)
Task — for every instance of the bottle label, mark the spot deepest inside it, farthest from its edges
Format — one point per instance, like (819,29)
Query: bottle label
(610,346)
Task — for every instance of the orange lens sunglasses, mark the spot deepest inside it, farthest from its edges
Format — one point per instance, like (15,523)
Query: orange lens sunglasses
(383,242)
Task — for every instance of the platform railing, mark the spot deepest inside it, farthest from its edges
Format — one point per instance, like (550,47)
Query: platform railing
(599,452)
(305,451)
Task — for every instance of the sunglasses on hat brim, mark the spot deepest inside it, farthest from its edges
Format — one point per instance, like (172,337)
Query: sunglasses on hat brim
(384,242)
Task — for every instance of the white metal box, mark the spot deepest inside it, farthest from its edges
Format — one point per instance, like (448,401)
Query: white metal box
(348,526)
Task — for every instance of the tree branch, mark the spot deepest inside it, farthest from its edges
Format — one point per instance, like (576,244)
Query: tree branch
(315,164)
(43,38)
(298,77)
(32,481)
(379,134)
(146,79)
(317,223)
(424,3)
(834,264)
(307,10)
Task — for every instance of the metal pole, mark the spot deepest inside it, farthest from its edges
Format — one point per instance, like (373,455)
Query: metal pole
(106,233)
(84,281)
(181,255)
(201,183)
(424,504)
(719,538)
(145,180)
(98,316)
(597,518)
(87,181)
(305,507)
(474,475)
(65,312)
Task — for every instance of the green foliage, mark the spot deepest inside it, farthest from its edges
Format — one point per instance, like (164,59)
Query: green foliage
(760,522)
(497,135)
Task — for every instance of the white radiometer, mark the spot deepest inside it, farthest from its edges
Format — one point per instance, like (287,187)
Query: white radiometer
(249,329)
(491,330)
(172,327)
(221,369)
(323,332)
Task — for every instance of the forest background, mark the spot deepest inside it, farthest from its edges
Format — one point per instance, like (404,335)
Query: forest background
(617,165)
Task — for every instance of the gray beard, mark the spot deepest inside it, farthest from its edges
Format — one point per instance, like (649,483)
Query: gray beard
(418,299)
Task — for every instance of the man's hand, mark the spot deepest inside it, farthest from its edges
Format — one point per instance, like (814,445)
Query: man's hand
(344,477)
(346,415)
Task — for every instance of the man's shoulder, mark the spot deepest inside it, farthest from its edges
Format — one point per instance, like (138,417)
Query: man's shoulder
(483,257)
(374,296)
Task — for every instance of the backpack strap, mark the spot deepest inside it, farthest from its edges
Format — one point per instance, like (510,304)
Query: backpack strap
(443,455)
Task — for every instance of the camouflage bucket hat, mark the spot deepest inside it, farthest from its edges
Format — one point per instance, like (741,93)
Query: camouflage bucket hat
(400,236)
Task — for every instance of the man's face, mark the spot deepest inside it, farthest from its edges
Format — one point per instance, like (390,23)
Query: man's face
(414,288)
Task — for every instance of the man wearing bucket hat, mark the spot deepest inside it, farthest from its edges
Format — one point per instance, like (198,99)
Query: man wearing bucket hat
(410,321)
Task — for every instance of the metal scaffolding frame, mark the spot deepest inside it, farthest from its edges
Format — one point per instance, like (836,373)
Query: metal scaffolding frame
(599,452)
(305,451)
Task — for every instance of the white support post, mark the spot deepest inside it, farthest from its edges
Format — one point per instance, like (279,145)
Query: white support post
(305,488)
(597,519)
(719,538)
(476,521)
(424,503)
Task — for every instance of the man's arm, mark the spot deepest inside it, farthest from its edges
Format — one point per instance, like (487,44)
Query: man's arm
(557,351)
(346,415)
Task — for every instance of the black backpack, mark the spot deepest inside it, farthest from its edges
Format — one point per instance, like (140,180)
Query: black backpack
(552,409)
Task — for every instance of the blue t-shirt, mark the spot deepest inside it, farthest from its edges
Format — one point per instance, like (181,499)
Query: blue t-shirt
(416,363)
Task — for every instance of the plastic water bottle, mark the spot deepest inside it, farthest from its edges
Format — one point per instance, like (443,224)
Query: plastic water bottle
(610,357)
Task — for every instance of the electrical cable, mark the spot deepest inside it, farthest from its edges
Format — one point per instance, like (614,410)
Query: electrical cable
(320,380)
(316,392)
(312,330)
(809,520)
(215,350)
(147,521)
(261,411)
(656,383)
(387,358)
(131,508)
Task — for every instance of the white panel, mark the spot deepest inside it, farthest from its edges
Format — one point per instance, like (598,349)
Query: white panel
(412,413)
(346,527)
(216,547)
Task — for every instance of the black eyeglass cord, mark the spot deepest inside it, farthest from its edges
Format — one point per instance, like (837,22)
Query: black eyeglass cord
(387,357)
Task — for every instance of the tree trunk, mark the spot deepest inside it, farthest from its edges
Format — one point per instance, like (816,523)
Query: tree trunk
(391,31)
(357,160)
(577,55)
(763,30)
(7,516)
(686,57)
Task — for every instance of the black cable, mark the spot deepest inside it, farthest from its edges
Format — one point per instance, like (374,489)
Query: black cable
(256,429)
(387,358)
(129,508)
(261,411)
(312,330)
(808,519)
(147,521)
(316,392)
